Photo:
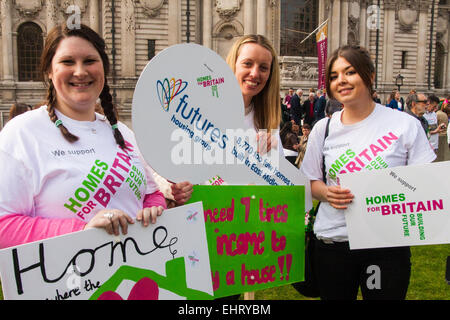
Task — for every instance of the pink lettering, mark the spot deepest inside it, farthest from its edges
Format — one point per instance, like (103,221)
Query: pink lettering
(364,153)
(110,183)
(278,244)
(242,241)
(352,167)
(385,210)
(251,277)
(375,149)
(395,209)
(102,197)
(391,137)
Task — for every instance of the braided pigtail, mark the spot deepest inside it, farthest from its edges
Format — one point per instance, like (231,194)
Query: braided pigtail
(108,110)
(51,102)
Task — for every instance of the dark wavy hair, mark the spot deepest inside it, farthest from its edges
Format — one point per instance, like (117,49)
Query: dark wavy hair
(54,38)
(359,58)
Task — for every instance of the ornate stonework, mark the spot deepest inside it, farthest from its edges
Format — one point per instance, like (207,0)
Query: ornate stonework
(152,8)
(28,8)
(227,9)
(298,69)
(407,17)
(64,4)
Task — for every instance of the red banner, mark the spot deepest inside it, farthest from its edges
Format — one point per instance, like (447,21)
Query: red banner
(322,47)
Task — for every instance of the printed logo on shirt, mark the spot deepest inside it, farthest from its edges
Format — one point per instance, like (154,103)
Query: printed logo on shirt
(369,158)
(103,181)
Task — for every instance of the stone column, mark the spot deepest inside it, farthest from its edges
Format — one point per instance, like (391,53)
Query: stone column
(447,74)
(363,31)
(207,23)
(388,41)
(422,52)
(7,42)
(248,17)
(128,39)
(174,22)
(261,17)
(335,25)
(51,14)
(94,15)
(344,23)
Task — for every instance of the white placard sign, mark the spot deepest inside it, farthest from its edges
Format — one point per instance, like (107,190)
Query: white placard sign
(188,117)
(167,260)
(401,206)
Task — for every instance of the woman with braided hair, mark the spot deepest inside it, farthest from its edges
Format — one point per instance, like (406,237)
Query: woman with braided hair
(66,168)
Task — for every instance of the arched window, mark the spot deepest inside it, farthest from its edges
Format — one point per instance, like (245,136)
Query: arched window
(298,20)
(29,49)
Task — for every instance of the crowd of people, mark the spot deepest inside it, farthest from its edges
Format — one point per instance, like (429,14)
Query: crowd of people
(299,115)
(41,195)
(432,112)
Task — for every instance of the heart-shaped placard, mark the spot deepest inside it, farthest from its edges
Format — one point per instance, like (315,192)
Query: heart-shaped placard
(188,117)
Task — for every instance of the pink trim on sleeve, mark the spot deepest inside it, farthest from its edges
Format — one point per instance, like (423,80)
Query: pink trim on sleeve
(155,199)
(16,229)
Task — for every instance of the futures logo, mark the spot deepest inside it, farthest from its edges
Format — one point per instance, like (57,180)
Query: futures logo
(167,90)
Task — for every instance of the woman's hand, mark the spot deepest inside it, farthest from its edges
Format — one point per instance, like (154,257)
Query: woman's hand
(112,220)
(182,192)
(148,215)
(339,198)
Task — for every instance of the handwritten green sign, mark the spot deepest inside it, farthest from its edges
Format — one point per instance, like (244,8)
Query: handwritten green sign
(255,236)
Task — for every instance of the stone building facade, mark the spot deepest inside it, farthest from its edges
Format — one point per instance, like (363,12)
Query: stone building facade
(409,37)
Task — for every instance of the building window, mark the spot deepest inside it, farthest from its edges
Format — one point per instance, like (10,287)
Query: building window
(403,60)
(151,47)
(29,50)
(298,20)
(439,64)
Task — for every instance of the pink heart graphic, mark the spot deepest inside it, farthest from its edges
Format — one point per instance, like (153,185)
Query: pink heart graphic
(144,289)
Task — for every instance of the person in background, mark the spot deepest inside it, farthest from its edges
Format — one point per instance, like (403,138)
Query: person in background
(289,139)
(350,74)
(296,106)
(319,105)
(395,102)
(306,130)
(332,106)
(416,104)
(375,97)
(433,129)
(288,97)
(45,190)
(308,109)
(17,109)
(443,152)
(285,115)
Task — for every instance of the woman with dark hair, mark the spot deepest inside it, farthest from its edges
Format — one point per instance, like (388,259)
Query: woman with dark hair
(363,136)
(67,168)
(395,101)
(289,140)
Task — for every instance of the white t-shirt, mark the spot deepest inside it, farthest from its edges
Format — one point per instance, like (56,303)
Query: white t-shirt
(386,138)
(53,178)
(431,118)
